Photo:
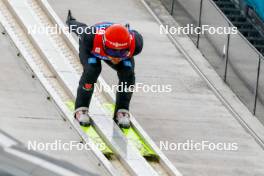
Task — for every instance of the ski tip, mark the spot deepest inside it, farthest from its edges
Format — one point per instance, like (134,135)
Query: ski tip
(69,14)
(152,157)
(109,155)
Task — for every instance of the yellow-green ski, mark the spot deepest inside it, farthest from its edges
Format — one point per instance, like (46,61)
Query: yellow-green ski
(136,140)
(139,143)
(93,135)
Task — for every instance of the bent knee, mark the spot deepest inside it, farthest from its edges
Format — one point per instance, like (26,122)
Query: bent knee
(93,66)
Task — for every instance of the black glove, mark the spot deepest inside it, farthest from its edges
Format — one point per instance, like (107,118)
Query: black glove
(69,18)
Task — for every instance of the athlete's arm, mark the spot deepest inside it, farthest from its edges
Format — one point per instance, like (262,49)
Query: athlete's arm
(139,42)
(77,27)
(85,46)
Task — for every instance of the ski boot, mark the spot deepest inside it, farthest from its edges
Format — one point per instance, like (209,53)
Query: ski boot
(82,116)
(122,118)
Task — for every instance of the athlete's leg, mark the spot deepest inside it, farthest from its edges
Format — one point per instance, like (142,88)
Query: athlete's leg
(126,75)
(91,72)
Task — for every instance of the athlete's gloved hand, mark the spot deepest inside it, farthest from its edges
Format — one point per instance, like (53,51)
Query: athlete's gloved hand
(115,60)
(69,18)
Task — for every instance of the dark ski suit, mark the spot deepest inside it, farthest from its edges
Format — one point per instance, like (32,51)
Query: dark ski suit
(92,67)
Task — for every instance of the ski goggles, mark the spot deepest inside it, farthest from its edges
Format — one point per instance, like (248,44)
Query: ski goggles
(120,53)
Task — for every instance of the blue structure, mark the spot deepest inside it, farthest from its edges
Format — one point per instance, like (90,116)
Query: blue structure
(257,6)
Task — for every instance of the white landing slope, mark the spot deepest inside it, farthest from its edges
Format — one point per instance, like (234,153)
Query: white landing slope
(28,116)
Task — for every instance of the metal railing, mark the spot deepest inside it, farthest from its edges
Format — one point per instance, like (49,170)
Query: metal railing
(236,60)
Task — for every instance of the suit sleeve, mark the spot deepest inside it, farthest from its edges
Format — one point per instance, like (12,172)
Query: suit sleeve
(77,27)
(86,37)
(139,42)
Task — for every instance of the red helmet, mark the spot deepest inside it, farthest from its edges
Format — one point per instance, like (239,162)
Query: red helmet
(117,37)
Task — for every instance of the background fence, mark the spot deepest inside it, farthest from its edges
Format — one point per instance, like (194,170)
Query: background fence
(236,60)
